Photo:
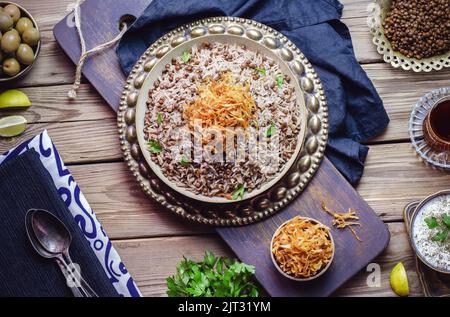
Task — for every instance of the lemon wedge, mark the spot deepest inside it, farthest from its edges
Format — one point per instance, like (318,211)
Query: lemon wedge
(399,280)
(14,98)
(12,126)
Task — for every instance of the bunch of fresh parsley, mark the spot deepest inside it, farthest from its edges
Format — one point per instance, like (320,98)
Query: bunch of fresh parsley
(213,277)
(443,227)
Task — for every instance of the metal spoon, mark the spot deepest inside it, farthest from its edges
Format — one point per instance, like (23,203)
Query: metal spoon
(44,253)
(55,238)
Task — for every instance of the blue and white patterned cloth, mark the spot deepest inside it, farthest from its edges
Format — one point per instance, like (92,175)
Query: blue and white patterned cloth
(81,211)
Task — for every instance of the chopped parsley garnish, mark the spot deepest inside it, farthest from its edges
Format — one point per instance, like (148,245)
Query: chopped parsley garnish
(431,222)
(443,227)
(184,161)
(239,192)
(446,220)
(159,118)
(185,56)
(279,80)
(262,71)
(441,236)
(271,130)
(154,146)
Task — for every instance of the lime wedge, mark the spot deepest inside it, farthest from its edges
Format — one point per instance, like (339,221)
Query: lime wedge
(12,126)
(399,280)
(14,98)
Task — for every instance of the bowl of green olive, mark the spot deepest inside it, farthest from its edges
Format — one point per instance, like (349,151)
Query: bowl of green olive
(20,41)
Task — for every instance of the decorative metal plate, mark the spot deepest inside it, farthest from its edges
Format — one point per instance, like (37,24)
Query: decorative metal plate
(283,192)
(436,158)
(377,12)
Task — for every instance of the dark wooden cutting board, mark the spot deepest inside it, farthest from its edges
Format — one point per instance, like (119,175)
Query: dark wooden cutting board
(100,23)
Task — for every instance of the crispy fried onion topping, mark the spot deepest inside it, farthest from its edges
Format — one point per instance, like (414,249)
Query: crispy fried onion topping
(302,248)
(221,104)
(341,220)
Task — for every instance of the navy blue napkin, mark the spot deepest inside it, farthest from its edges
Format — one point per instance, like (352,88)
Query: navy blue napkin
(356,111)
(26,184)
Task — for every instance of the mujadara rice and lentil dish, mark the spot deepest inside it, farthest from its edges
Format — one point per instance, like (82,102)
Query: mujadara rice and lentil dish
(233,105)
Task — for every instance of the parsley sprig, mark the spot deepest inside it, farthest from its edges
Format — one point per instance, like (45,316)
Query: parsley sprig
(159,118)
(184,161)
(443,227)
(262,71)
(279,80)
(271,130)
(185,57)
(154,146)
(238,192)
(213,277)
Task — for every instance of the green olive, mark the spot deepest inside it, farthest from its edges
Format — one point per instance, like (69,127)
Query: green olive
(14,31)
(6,22)
(10,42)
(23,24)
(31,37)
(13,11)
(25,54)
(11,67)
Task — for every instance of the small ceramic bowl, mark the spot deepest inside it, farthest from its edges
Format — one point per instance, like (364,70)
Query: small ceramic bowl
(414,218)
(37,49)
(321,272)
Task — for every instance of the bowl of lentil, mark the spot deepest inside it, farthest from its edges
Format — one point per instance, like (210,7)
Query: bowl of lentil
(412,34)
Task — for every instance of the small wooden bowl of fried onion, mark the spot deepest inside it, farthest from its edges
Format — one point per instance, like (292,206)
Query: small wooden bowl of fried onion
(302,249)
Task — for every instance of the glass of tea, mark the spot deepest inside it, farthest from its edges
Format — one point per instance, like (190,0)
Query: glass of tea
(436,125)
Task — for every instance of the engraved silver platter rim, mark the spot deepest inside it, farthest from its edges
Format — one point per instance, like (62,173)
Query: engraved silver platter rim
(283,192)
(436,158)
(141,108)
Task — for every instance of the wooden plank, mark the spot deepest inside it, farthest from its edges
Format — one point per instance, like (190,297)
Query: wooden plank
(122,206)
(393,177)
(78,142)
(50,104)
(250,243)
(150,263)
(54,62)
(399,90)
(399,250)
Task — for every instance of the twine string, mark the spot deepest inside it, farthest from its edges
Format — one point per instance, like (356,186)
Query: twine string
(72,94)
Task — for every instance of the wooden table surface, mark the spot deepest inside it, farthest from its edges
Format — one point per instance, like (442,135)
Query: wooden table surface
(151,240)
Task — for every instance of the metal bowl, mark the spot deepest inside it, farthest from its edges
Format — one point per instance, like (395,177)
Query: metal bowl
(414,218)
(24,71)
(246,211)
(155,73)
(275,263)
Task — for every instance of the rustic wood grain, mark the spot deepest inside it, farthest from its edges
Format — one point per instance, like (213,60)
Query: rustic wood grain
(50,104)
(250,243)
(53,61)
(393,177)
(150,263)
(398,89)
(78,142)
